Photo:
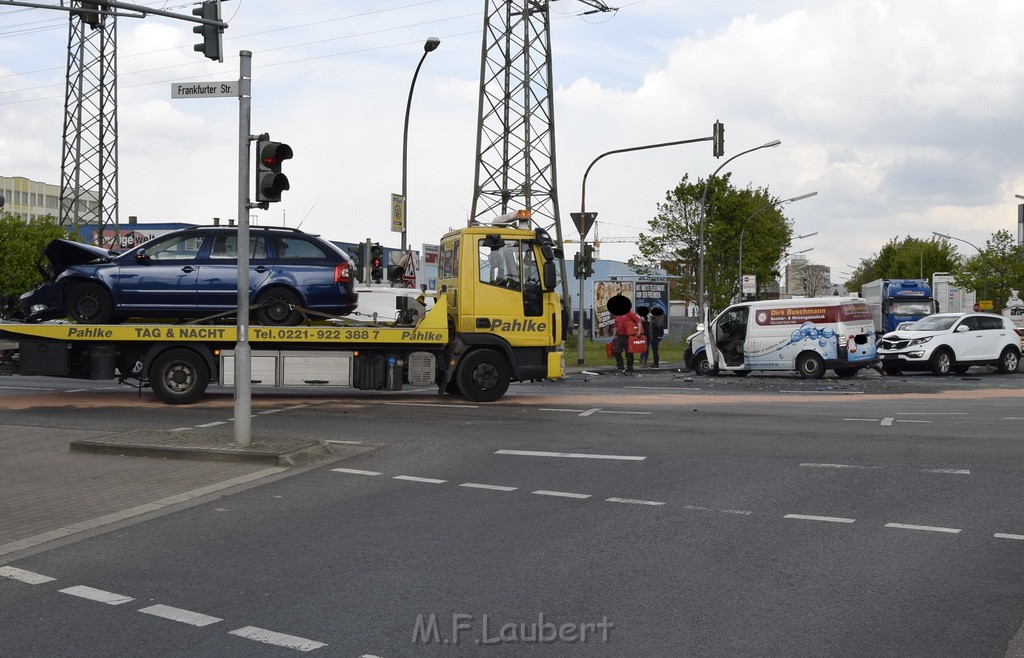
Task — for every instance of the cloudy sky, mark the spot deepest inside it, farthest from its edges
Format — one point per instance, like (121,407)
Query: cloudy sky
(904,115)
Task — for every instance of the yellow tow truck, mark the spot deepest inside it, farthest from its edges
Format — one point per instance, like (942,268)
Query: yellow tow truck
(496,318)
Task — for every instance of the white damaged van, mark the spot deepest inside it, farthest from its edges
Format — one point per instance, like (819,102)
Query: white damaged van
(809,336)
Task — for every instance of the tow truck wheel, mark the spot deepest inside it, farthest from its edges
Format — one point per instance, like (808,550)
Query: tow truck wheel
(810,365)
(483,375)
(942,362)
(278,308)
(1008,361)
(179,376)
(88,303)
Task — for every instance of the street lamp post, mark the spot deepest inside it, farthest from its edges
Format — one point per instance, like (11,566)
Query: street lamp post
(765,207)
(430,46)
(980,253)
(703,214)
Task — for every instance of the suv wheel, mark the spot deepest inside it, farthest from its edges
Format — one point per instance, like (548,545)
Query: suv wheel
(1008,361)
(941,362)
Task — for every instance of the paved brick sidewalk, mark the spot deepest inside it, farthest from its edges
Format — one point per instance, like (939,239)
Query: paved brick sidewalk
(47,491)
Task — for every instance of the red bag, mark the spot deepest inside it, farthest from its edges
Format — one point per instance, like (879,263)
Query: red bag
(637,344)
(609,349)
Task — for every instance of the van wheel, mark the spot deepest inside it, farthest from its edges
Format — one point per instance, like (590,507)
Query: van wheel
(941,362)
(179,376)
(1008,361)
(810,365)
(846,372)
(701,366)
(483,375)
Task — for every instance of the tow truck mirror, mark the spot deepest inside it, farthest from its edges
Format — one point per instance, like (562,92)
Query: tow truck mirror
(547,252)
(549,275)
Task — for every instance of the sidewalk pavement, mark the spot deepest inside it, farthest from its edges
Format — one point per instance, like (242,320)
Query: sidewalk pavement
(49,492)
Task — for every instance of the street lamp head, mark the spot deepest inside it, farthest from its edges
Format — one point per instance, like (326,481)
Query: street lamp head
(802,197)
(771,144)
(1019,196)
(941,235)
(806,235)
(431,45)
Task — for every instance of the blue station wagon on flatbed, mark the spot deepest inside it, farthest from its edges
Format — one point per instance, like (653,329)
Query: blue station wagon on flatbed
(192,273)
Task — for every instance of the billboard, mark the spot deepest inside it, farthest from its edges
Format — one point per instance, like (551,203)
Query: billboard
(652,294)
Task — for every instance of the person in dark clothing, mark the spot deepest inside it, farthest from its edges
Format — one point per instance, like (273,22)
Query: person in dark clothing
(656,333)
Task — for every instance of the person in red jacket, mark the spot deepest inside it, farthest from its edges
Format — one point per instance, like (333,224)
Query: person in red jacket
(627,323)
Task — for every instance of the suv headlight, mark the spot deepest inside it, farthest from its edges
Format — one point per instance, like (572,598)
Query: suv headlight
(919,341)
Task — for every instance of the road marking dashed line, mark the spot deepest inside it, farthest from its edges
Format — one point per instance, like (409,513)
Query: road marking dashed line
(929,528)
(98,595)
(1003,535)
(634,501)
(29,577)
(698,508)
(570,455)
(354,471)
(490,487)
(413,478)
(180,615)
(560,494)
(811,517)
(277,639)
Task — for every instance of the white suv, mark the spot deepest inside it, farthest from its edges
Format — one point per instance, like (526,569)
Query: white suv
(952,342)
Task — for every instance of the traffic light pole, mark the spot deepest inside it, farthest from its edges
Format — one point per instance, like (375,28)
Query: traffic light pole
(583,233)
(243,353)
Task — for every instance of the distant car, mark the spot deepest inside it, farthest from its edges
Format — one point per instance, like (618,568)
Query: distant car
(192,273)
(952,342)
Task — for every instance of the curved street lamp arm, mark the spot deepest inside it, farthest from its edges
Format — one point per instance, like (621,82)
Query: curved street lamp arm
(583,192)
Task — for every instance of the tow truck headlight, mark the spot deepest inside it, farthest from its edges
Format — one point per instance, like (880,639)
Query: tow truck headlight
(919,341)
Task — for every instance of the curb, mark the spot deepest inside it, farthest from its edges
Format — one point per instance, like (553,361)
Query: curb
(279,453)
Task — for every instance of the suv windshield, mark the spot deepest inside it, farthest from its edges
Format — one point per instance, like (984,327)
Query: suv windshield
(934,323)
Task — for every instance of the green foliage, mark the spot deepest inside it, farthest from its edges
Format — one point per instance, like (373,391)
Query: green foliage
(674,240)
(910,258)
(994,272)
(21,245)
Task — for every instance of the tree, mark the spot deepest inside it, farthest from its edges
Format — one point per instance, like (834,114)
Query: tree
(997,270)
(910,258)
(21,245)
(674,241)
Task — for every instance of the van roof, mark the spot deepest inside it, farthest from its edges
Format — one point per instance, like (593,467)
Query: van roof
(802,301)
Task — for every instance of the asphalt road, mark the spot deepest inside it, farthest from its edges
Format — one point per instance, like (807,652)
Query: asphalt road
(663,515)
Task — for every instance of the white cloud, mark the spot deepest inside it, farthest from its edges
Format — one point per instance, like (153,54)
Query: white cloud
(903,115)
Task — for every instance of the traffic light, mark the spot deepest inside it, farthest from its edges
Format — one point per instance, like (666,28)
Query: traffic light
(212,45)
(577,267)
(588,260)
(270,182)
(718,139)
(376,263)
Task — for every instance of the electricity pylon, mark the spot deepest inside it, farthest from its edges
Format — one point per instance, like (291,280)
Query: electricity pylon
(515,162)
(88,180)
